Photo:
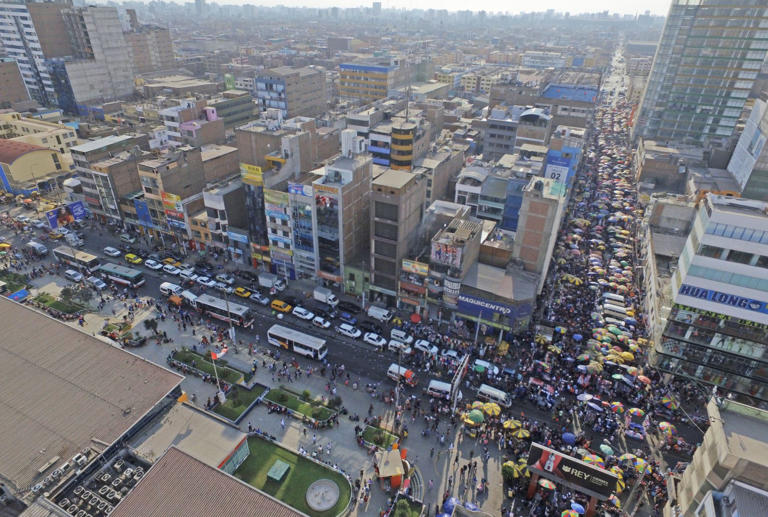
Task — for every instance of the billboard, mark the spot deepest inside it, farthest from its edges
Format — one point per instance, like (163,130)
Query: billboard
(300,189)
(731,300)
(251,174)
(557,168)
(171,202)
(276,204)
(142,212)
(66,215)
(475,306)
(571,472)
(418,268)
(447,254)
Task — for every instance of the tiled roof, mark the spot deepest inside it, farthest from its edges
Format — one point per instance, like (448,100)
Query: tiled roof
(11,150)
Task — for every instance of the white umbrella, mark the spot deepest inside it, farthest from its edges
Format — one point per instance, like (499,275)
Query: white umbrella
(584,397)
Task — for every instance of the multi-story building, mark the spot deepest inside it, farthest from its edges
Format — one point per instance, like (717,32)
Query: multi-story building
(342,210)
(366,82)
(25,168)
(717,329)
(510,128)
(235,107)
(707,60)
(39,132)
(302,202)
(297,92)
(279,232)
(454,249)
(541,213)
(12,88)
(397,142)
(441,168)
(727,475)
(226,212)
(192,122)
(151,47)
(397,207)
(749,162)
(542,59)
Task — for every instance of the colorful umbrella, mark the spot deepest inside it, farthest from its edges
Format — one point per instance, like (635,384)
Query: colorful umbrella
(643,379)
(512,424)
(594,459)
(478,404)
(492,409)
(521,433)
(636,411)
(554,349)
(617,407)
(615,501)
(476,416)
(569,513)
(594,367)
(667,428)
(669,403)
(627,456)
(517,470)
(617,470)
(583,357)
(641,464)
(545,483)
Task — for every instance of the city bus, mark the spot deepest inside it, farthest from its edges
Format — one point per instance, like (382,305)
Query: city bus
(224,310)
(299,342)
(78,259)
(122,275)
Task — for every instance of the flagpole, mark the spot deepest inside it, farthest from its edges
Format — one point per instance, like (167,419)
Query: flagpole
(215,372)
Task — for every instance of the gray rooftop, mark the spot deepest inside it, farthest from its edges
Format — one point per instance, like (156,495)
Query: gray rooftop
(517,286)
(101,143)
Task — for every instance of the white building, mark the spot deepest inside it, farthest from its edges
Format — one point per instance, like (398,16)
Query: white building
(749,161)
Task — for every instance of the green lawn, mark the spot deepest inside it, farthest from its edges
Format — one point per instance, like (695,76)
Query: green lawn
(59,305)
(292,489)
(294,402)
(236,406)
(380,437)
(226,374)
(14,281)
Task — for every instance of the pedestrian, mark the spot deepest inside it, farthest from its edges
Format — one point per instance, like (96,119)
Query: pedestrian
(282,423)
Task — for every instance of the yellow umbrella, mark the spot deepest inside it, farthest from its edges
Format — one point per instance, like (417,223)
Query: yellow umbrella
(469,422)
(492,409)
(629,356)
(512,424)
(554,349)
(620,485)
(517,470)
(521,433)
(594,367)
(614,358)
(540,339)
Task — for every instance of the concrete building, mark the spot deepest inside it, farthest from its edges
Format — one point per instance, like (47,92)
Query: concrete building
(14,126)
(25,168)
(542,59)
(178,86)
(12,88)
(454,249)
(509,128)
(366,81)
(716,329)
(192,122)
(219,161)
(342,210)
(541,213)
(297,92)
(728,476)
(664,168)
(441,168)
(235,107)
(397,142)
(673,109)
(225,208)
(749,161)
(277,211)
(397,207)
(151,48)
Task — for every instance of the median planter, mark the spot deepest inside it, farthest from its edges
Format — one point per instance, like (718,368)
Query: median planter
(378,437)
(204,365)
(300,406)
(239,401)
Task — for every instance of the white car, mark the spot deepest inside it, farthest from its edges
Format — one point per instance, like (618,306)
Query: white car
(75,276)
(302,313)
(486,367)
(455,355)
(321,322)
(61,230)
(422,345)
(345,329)
(39,224)
(259,298)
(153,264)
(225,278)
(224,288)
(96,282)
(112,252)
(206,281)
(188,274)
(374,339)
(171,270)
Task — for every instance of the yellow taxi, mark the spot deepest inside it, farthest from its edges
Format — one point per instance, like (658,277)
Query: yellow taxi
(170,261)
(133,259)
(280,306)
(242,292)
(55,235)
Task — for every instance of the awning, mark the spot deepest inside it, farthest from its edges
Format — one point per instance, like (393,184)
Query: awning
(389,463)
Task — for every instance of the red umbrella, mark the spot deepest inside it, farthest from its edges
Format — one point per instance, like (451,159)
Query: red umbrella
(415,317)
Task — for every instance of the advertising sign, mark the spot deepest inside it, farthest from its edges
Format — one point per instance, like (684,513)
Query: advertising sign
(557,168)
(472,305)
(300,189)
(418,268)
(446,254)
(142,212)
(66,215)
(571,472)
(251,174)
(171,202)
(238,237)
(731,300)
(276,204)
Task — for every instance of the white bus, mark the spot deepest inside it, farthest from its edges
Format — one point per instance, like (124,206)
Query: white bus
(122,275)
(78,259)
(223,310)
(295,341)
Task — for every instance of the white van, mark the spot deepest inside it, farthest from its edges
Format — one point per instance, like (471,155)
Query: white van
(37,248)
(379,313)
(611,298)
(71,274)
(189,297)
(422,345)
(492,394)
(398,373)
(167,288)
(397,346)
(609,307)
(439,389)
(401,335)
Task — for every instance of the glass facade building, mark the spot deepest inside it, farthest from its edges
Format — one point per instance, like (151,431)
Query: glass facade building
(706,63)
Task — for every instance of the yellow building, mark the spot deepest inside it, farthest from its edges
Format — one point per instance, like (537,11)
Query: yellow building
(14,126)
(364,81)
(26,167)
(198,227)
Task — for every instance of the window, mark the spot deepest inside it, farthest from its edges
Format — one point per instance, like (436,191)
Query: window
(740,257)
(386,211)
(710,251)
(386,231)
(762,261)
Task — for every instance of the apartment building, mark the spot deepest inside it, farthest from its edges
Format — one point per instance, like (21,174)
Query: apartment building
(366,82)
(150,46)
(294,91)
(12,88)
(38,132)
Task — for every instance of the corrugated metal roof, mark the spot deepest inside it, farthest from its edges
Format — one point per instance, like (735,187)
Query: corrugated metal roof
(179,485)
(61,388)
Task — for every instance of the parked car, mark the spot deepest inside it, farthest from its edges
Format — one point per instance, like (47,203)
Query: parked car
(259,298)
(112,252)
(321,322)
(171,270)
(75,276)
(153,264)
(374,339)
(127,238)
(349,307)
(96,282)
(242,292)
(345,329)
(206,281)
(188,274)
(302,313)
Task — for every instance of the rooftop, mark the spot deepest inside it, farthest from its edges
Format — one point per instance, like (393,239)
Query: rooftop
(179,485)
(192,431)
(394,179)
(12,150)
(63,391)
(745,427)
(212,151)
(101,143)
(516,286)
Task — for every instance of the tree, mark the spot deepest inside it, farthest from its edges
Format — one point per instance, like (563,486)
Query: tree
(402,509)
(151,324)
(67,293)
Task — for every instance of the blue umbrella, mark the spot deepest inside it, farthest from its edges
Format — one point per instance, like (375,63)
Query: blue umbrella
(569,438)
(578,337)
(450,504)
(576,507)
(472,507)
(443,515)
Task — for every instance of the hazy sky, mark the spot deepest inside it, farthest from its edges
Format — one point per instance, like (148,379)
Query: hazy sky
(513,6)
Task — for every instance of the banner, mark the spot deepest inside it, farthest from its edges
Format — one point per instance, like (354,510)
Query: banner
(731,300)
(142,212)
(418,268)
(446,254)
(66,215)
(171,202)
(300,189)
(571,472)
(251,174)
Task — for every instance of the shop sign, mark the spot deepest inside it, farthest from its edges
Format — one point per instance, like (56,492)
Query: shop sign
(473,305)
(731,300)
(571,472)
(418,268)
